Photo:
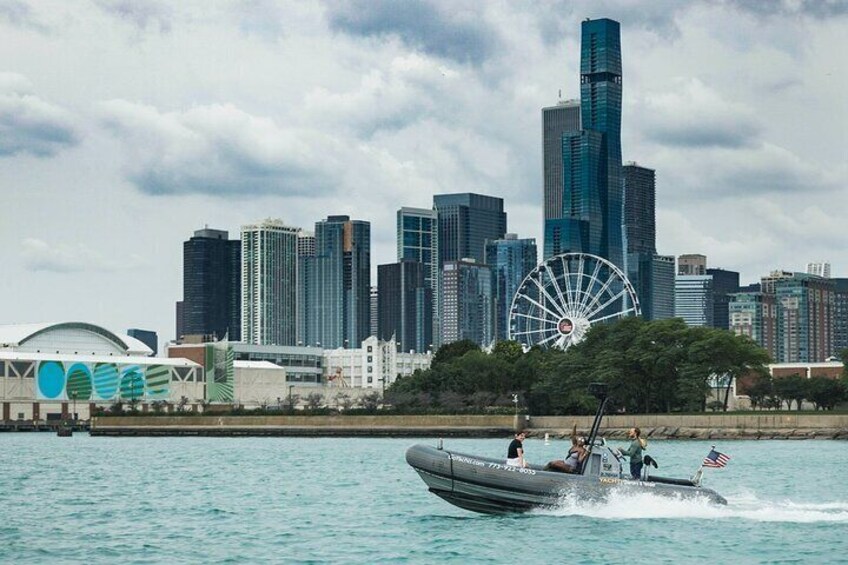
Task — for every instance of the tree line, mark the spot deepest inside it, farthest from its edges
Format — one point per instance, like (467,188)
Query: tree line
(650,367)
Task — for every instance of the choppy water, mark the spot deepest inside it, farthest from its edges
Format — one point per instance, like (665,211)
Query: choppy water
(294,500)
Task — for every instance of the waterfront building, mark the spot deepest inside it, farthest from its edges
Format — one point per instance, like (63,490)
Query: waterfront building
(51,371)
(418,240)
(305,268)
(467,305)
(511,260)
(754,314)
(465,222)
(693,299)
(725,283)
(269,283)
(147,337)
(374,365)
(338,284)
(556,121)
(211,304)
(840,315)
(692,264)
(820,268)
(405,305)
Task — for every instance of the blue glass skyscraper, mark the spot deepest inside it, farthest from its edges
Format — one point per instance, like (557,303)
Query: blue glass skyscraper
(591,216)
(510,260)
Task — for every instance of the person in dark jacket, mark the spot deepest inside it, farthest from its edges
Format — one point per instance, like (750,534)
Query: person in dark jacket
(515,451)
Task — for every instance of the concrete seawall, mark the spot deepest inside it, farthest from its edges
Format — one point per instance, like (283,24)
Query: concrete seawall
(703,426)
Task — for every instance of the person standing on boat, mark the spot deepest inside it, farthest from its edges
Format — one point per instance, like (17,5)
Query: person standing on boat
(634,452)
(515,452)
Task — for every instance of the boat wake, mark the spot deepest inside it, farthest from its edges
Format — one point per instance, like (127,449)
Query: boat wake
(744,506)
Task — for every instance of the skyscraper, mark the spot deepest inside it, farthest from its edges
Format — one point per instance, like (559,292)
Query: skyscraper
(725,283)
(840,315)
(754,314)
(305,268)
(510,260)
(269,283)
(466,221)
(467,302)
(693,299)
(804,322)
(640,226)
(591,215)
(405,305)
(211,304)
(556,120)
(820,268)
(652,276)
(418,240)
(338,284)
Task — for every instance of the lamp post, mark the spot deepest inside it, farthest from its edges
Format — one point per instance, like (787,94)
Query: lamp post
(74,409)
(291,406)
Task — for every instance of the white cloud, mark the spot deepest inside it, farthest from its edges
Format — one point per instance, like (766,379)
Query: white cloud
(39,255)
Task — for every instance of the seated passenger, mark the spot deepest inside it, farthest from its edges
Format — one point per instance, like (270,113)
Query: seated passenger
(515,451)
(573,463)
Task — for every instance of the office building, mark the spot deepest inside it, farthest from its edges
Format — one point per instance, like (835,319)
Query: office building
(556,121)
(692,264)
(418,240)
(211,304)
(465,222)
(640,226)
(693,299)
(510,260)
(653,278)
(269,283)
(405,305)
(725,283)
(467,305)
(337,283)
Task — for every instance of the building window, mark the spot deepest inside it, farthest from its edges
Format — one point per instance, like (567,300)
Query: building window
(370,370)
(370,359)
(370,349)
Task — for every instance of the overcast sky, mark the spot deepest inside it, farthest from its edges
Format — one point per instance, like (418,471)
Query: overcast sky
(126,125)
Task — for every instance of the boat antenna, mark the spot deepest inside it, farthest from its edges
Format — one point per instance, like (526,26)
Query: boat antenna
(599,391)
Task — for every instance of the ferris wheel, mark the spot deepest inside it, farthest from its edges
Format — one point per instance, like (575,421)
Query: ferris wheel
(563,297)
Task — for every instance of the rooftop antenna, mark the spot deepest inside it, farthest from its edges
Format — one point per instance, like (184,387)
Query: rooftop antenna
(560,94)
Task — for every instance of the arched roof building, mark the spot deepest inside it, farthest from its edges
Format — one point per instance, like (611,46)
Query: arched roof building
(69,338)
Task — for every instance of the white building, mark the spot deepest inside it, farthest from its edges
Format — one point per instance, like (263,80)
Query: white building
(269,283)
(374,365)
(820,269)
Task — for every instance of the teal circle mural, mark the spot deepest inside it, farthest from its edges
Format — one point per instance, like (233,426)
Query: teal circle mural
(105,380)
(132,384)
(79,383)
(51,379)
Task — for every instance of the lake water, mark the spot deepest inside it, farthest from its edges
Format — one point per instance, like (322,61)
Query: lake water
(299,500)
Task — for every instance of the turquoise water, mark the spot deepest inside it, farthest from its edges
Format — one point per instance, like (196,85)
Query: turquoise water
(299,500)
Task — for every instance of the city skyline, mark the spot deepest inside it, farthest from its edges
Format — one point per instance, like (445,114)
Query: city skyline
(114,159)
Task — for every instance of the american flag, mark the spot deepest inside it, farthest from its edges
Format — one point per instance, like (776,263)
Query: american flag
(716,459)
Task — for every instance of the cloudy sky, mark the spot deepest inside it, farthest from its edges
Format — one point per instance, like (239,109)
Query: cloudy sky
(126,125)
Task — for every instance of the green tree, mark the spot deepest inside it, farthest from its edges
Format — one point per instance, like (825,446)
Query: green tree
(454,350)
(760,391)
(824,392)
(789,389)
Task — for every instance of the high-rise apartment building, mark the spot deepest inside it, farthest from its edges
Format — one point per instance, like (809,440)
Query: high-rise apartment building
(692,264)
(405,305)
(269,283)
(305,249)
(375,310)
(804,316)
(840,315)
(821,269)
(510,260)
(467,302)
(693,299)
(338,284)
(725,283)
(211,305)
(754,314)
(556,121)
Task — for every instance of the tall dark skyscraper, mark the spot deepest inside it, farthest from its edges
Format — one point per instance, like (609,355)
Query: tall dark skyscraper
(211,304)
(405,305)
(556,120)
(725,283)
(466,221)
(591,216)
(640,225)
(338,284)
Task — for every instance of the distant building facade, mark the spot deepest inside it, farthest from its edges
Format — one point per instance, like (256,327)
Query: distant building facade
(418,240)
(465,222)
(467,305)
(804,317)
(556,121)
(840,315)
(692,264)
(147,337)
(269,283)
(725,283)
(510,259)
(754,314)
(693,299)
(405,305)
(211,304)
(821,269)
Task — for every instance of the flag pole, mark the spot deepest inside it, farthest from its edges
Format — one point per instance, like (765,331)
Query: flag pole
(696,478)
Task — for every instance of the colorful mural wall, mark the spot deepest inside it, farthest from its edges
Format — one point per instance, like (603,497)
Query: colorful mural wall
(56,380)
(219,372)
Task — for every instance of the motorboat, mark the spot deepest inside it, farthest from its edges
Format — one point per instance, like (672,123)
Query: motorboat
(487,485)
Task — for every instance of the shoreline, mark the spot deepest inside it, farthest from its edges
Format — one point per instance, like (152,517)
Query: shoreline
(663,426)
